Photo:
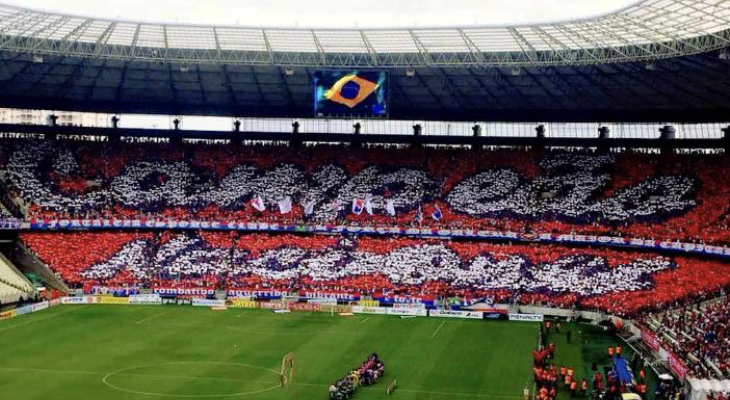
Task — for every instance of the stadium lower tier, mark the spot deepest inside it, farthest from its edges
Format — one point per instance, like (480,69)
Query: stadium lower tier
(700,334)
(615,281)
(665,197)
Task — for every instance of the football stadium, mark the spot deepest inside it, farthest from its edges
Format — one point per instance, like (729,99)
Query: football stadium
(416,200)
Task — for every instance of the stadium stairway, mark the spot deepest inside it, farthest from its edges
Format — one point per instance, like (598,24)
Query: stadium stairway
(23,259)
(9,204)
(14,286)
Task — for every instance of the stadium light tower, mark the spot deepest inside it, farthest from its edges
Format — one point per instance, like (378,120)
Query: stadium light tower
(726,137)
(296,140)
(477,133)
(604,133)
(417,132)
(666,133)
(356,142)
(540,131)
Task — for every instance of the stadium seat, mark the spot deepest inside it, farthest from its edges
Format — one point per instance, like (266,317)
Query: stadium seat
(13,286)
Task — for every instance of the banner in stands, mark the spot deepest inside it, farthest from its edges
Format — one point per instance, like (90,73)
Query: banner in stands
(325,301)
(112,300)
(115,291)
(331,308)
(526,317)
(145,299)
(258,294)
(32,308)
(8,314)
(409,305)
(192,292)
(208,303)
(78,300)
(241,303)
(677,366)
(307,294)
(408,311)
(369,310)
(650,339)
(13,225)
(456,314)
(395,299)
(311,307)
(39,224)
(489,310)
(181,301)
(29,309)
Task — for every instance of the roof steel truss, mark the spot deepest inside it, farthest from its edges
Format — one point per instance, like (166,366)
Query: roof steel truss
(648,30)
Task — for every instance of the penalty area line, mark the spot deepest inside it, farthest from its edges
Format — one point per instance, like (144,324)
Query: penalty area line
(433,335)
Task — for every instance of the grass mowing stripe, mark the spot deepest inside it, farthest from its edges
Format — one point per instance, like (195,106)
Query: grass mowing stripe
(150,318)
(433,335)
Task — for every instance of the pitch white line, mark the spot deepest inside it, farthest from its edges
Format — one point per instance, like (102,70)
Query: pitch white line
(155,316)
(366,318)
(7,328)
(241,315)
(437,331)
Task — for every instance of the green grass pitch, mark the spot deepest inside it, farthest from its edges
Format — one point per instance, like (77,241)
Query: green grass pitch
(112,352)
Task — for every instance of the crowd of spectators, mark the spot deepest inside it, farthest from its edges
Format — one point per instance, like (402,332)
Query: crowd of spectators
(626,194)
(4,213)
(615,281)
(719,396)
(699,334)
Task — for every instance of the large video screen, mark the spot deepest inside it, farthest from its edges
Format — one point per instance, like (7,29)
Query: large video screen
(351,94)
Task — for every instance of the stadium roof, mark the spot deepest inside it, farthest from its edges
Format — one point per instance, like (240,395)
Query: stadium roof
(648,29)
(334,13)
(655,60)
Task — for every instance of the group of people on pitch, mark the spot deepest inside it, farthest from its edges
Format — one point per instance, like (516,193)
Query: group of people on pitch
(548,378)
(367,374)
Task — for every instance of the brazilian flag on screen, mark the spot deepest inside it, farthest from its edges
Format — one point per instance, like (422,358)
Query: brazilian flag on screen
(351,93)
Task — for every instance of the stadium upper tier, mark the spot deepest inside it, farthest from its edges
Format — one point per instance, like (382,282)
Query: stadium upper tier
(646,30)
(677,197)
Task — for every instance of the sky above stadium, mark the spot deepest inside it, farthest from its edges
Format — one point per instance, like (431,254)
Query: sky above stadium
(333,13)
